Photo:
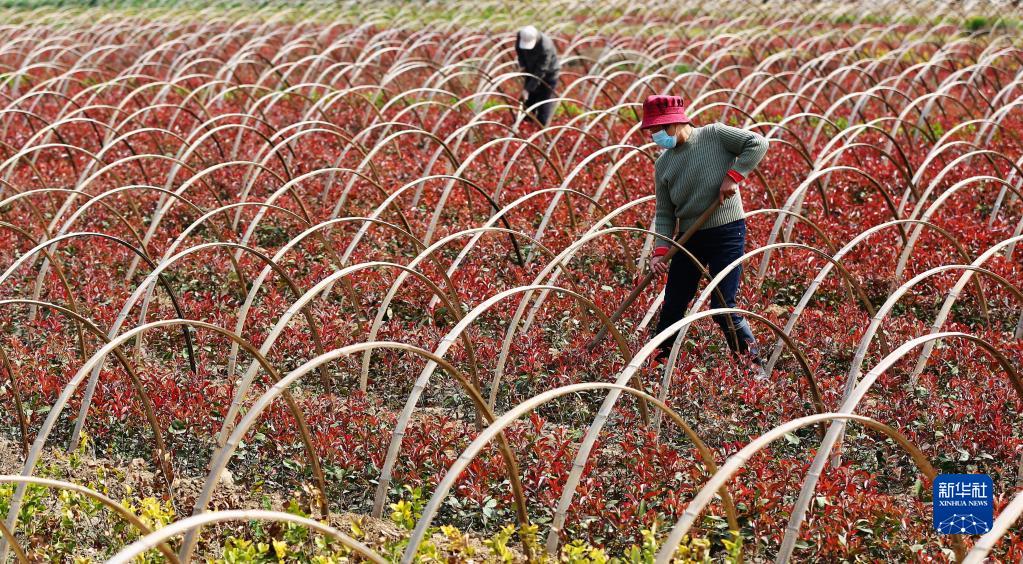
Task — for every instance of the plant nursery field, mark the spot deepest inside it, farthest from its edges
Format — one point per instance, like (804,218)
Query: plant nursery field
(301,282)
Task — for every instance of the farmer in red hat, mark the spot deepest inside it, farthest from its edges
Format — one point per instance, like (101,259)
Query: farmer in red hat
(700,165)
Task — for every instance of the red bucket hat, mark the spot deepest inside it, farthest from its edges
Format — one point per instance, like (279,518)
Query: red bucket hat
(663,110)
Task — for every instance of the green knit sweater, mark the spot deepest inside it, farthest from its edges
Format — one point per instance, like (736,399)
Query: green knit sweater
(688,177)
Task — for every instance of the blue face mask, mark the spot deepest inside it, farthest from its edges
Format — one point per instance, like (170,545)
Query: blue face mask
(664,140)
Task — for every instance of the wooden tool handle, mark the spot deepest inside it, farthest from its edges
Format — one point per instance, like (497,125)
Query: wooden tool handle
(681,240)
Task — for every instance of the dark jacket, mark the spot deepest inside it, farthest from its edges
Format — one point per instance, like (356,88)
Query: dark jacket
(541,61)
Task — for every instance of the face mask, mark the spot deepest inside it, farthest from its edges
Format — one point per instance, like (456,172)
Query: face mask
(664,140)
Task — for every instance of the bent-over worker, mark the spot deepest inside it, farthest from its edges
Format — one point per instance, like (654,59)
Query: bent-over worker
(538,58)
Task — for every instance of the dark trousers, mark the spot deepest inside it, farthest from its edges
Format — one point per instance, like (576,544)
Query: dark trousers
(716,248)
(544,91)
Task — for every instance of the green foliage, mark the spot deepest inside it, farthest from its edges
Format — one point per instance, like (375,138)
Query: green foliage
(690,550)
(458,542)
(733,547)
(529,535)
(238,550)
(477,106)
(58,527)
(498,545)
(152,512)
(53,518)
(988,23)
(290,542)
(569,109)
(578,552)
(378,99)
(937,130)
(405,513)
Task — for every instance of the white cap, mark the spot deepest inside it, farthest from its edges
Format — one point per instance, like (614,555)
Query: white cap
(527,37)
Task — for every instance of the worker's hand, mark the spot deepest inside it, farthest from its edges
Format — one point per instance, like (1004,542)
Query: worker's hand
(659,264)
(728,189)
